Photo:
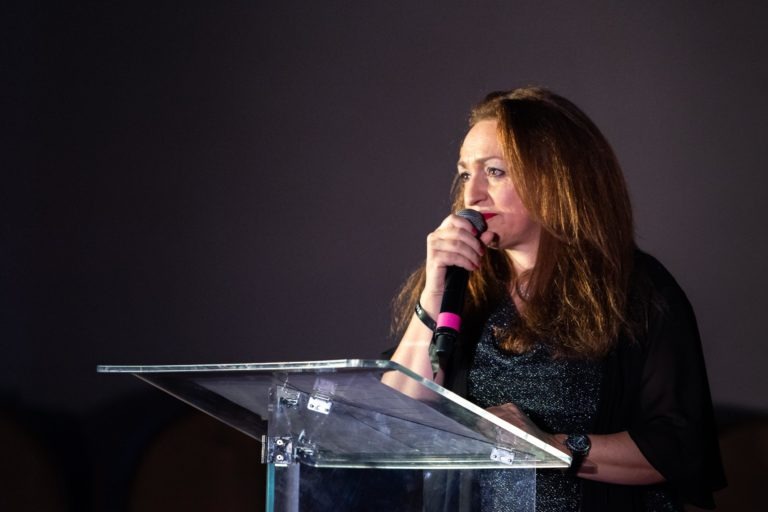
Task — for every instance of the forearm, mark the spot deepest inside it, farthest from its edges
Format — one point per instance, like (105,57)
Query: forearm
(413,350)
(615,458)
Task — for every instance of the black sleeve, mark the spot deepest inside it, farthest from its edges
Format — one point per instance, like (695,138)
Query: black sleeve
(672,420)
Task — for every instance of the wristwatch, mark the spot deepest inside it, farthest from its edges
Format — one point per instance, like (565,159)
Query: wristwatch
(579,445)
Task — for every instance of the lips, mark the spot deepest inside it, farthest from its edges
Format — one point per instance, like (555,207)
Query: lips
(487,216)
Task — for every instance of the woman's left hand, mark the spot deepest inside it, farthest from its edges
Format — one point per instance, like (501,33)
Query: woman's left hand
(614,458)
(511,413)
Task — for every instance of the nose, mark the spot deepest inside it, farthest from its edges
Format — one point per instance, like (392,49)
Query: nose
(475,189)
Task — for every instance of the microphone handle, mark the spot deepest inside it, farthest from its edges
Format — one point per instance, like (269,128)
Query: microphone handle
(449,319)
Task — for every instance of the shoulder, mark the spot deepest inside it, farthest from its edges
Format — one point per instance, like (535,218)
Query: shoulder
(653,285)
(651,270)
(659,309)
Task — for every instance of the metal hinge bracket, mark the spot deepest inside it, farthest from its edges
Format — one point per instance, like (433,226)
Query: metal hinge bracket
(503,456)
(278,451)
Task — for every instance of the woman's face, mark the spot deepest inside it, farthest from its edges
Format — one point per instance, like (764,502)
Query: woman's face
(488,188)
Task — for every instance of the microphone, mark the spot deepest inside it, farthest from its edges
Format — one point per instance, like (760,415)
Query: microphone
(456,278)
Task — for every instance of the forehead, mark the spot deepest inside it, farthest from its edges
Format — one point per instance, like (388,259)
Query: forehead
(480,143)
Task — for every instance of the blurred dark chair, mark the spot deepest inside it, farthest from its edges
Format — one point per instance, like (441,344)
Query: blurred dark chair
(31,478)
(119,433)
(199,464)
(744,448)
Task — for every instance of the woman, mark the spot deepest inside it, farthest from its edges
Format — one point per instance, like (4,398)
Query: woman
(569,331)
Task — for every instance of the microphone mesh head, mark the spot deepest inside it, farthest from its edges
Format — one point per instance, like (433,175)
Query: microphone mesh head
(475,217)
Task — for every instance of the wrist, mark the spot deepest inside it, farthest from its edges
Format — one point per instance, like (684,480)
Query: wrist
(579,446)
(430,301)
(425,317)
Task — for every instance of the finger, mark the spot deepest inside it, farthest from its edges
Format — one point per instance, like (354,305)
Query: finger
(454,220)
(508,412)
(451,241)
(446,254)
(456,238)
(488,238)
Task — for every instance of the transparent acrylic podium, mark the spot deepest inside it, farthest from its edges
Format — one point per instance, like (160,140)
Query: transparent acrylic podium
(364,435)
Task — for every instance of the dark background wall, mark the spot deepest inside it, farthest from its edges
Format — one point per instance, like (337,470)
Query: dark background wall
(241,181)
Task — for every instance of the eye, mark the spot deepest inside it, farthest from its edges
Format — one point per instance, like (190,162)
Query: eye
(463,176)
(495,172)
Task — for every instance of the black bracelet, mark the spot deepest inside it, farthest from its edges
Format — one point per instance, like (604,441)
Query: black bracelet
(424,317)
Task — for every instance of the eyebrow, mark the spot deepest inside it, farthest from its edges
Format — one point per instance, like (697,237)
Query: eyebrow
(463,164)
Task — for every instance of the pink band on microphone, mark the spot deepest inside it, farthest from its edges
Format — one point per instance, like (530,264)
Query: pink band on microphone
(451,320)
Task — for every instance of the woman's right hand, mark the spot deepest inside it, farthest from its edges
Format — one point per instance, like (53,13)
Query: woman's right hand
(453,243)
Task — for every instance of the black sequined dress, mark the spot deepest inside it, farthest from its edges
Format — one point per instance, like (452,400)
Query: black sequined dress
(558,394)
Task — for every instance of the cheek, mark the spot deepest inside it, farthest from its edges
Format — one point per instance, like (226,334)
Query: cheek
(509,200)
(517,216)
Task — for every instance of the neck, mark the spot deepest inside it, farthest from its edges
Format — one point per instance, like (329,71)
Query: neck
(522,259)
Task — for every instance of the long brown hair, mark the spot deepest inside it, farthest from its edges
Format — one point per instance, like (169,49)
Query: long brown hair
(570,181)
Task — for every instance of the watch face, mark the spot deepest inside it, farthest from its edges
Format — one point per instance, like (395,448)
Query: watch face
(578,443)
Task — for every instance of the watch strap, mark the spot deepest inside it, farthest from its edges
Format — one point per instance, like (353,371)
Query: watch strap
(579,445)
